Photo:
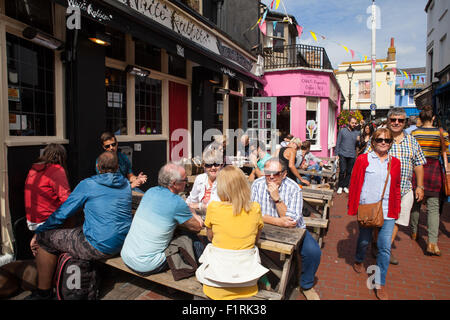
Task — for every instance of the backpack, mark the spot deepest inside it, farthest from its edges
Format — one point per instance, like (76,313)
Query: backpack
(76,279)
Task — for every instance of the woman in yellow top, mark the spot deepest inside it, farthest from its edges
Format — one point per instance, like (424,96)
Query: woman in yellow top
(230,264)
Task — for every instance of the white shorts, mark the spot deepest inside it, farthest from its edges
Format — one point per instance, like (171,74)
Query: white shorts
(406,206)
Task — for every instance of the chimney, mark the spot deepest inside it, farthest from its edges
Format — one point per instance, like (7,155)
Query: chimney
(391,51)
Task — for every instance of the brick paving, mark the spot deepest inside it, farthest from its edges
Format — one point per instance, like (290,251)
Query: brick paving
(417,276)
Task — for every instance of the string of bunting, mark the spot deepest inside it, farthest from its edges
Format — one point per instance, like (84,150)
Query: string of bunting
(263,27)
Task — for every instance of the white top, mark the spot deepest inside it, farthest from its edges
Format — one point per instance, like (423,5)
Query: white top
(199,189)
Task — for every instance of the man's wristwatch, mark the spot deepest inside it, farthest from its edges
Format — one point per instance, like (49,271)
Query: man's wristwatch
(421,187)
(278,201)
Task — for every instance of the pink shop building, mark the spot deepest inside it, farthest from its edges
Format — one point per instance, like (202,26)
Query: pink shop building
(302,79)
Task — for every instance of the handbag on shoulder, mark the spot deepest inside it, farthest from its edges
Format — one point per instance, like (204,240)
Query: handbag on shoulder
(371,215)
(446,178)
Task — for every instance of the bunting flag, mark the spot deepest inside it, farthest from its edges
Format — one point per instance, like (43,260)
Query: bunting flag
(365,58)
(378,83)
(390,83)
(346,49)
(394,70)
(406,75)
(353,53)
(271,5)
(277,4)
(299,30)
(423,80)
(414,82)
(381,66)
(263,17)
(402,83)
(313,35)
(263,28)
(275,24)
(374,63)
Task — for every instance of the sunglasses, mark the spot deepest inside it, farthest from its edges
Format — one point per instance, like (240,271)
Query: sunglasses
(182,180)
(210,165)
(274,174)
(394,120)
(107,146)
(380,140)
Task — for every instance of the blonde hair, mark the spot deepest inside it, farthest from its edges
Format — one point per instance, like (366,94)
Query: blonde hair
(232,186)
(297,141)
(213,156)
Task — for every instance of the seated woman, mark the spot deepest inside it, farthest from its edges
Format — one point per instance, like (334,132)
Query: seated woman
(231,265)
(46,186)
(204,189)
(288,156)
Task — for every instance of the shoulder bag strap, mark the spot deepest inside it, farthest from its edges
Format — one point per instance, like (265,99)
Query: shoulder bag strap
(387,177)
(443,149)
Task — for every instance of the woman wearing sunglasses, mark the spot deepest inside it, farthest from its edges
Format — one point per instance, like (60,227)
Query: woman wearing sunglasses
(204,189)
(366,186)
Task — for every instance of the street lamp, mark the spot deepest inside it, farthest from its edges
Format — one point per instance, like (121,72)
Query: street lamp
(350,72)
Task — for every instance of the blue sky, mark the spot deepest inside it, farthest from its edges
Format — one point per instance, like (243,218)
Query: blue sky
(344,22)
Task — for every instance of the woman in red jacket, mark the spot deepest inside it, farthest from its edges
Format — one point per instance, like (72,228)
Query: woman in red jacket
(366,186)
(46,186)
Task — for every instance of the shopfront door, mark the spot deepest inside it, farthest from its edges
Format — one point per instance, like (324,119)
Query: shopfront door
(178,117)
(260,119)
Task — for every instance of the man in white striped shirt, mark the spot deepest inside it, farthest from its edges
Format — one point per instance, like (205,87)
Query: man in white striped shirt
(281,204)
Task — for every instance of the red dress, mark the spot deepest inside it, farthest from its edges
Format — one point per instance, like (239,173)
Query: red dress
(46,188)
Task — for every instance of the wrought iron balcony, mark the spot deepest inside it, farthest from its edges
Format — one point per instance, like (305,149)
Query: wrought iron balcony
(293,56)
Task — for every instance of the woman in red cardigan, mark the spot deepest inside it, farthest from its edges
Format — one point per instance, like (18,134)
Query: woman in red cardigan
(366,186)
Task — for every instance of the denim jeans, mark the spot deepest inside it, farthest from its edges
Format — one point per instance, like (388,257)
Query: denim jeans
(383,244)
(316,167)
(310,254)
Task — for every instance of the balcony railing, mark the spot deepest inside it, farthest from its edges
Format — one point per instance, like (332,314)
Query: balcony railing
(299,55)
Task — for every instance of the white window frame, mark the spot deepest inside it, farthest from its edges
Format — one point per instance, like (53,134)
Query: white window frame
(359,85)
(317,146)
(15,27)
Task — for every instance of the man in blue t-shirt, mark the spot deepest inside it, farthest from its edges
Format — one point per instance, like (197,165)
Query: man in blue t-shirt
(109,143)
(160,211)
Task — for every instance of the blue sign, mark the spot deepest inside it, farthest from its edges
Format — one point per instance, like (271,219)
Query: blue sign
(373,107)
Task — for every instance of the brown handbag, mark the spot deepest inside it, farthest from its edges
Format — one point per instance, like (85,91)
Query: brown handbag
(371,215)
(446,180)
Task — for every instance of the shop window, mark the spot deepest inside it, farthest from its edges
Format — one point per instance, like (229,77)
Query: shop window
(36,13)
(31,88)
(411,97)
(148,106)
(147,55)
(364,90)
(312,120)
(116,101)
(117,48)
(177,66)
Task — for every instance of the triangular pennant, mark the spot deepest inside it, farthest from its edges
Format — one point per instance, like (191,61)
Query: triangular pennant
(257,22)
(277,4)
(394,70)
(390,83)
(299,30)
(422,80)
(263,17)
(275,24)
(406,75)
(271,5)
(353,53)
(374,63)
(378,83)
(365,58)
(313,35)
(263,28)
(346,49)
(402,83)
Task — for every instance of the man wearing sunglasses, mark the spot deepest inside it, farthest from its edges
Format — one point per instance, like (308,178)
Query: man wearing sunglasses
(408,151)
(109,143)
(281,204)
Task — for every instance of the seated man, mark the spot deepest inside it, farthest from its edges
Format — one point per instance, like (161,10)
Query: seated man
(109,143)
(106,201)
(160,211)
(281,203)
(311,161)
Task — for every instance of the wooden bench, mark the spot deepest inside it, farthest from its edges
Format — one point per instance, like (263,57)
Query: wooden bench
(189,285)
